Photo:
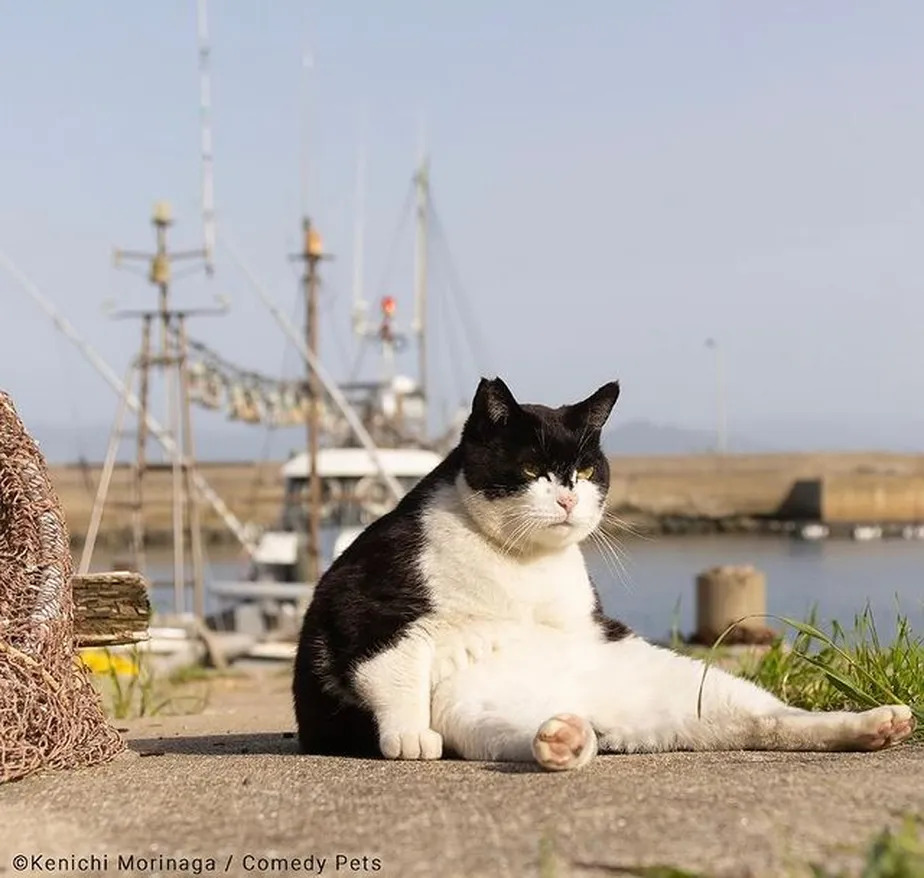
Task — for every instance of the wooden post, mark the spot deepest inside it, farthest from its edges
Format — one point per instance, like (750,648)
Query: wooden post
(726,594)
(110,609)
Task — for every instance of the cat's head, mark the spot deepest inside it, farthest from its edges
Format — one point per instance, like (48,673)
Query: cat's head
(535,477)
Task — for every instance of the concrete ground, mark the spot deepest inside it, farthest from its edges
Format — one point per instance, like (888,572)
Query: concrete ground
(227,783)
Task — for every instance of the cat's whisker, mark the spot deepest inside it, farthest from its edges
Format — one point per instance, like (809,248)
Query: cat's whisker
(527,531)
(510,542)
(623,525)
(606,553)
(523,528)
(611,546)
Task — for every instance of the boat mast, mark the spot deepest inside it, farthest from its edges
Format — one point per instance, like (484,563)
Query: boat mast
(422,189)
(312,253)
(313,362)
(205,124)
(359,304)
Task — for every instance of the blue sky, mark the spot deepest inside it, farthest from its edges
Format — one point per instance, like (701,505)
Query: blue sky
(618,181)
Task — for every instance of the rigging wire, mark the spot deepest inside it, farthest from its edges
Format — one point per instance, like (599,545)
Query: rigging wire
(393,250)
(271,427)
(453,356)
(392,253)
(477,344)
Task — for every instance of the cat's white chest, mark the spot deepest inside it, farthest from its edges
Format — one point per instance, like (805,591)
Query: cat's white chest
(470,581)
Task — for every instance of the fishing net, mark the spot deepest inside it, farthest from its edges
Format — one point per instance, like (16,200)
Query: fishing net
(50,715)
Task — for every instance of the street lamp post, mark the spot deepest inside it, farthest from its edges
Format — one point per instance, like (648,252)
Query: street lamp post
(721,421)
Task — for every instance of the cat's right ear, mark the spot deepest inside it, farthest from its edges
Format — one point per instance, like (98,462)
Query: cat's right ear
(493,403)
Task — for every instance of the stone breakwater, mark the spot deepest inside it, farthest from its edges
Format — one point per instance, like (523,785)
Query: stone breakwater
(666,494)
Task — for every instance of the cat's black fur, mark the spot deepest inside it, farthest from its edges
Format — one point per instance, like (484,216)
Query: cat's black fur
(374,590)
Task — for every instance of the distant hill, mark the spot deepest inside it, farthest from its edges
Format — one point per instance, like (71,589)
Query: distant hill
(645,437)
(218,441)
(232,443)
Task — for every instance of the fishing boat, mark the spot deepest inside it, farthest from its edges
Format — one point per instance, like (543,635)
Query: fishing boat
(866,532)
(368,440)
(813,531)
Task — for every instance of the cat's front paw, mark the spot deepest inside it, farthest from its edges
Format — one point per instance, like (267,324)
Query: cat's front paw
(425,744)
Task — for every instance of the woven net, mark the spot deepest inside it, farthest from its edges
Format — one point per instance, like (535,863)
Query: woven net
(50,715)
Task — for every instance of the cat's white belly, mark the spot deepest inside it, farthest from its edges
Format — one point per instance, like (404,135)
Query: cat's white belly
(532,671)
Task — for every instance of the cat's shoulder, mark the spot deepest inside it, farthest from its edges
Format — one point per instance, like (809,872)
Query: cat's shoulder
(385,554)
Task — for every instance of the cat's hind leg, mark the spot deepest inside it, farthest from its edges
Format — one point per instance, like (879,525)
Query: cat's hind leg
(478,731)
(654,705)
(499,711)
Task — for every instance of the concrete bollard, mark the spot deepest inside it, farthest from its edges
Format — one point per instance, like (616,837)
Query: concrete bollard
(726,594)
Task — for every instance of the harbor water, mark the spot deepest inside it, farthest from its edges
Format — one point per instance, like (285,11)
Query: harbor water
(652,589)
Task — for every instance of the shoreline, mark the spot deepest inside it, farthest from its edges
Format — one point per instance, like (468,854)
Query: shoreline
(735,494)
(636,526)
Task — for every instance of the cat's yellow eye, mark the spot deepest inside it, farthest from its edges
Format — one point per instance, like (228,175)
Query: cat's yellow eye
(530,473)
(585,473)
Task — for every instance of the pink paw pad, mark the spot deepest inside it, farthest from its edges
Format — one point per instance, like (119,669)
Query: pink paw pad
(893,725)
(564,742)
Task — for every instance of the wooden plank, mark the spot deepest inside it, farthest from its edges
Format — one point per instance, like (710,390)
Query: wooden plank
(110,609)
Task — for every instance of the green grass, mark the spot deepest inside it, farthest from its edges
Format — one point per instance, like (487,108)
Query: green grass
(842,669)
(141,693)
(898,854)
(891,854)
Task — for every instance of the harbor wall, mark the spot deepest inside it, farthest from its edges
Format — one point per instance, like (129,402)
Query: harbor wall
(836,488)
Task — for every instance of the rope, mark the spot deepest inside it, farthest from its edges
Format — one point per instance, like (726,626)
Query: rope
(50,715)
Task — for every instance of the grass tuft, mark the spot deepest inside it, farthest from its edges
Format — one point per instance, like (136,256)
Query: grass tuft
(129,688)
(898,854)
(840,669)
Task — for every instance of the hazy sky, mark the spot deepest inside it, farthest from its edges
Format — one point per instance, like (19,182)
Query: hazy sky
(618,181)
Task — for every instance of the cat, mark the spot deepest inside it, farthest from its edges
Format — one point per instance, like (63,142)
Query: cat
(464,623)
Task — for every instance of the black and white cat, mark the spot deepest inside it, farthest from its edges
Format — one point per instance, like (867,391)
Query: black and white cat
(464,622)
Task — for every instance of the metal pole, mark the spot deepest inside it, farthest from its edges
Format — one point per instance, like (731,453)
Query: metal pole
(99,501)
(205,110)
(721,426)
(720,387)
(359,305)
(160,275)
(312,256)
(192,497)
(138,470)
(180,468)
(422,184)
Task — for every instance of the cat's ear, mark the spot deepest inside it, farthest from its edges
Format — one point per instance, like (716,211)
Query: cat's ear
(594,410)
(493,403)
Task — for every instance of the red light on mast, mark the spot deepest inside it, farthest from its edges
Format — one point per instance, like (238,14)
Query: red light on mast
(388,306)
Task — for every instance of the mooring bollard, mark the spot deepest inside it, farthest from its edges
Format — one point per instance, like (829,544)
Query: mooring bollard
(726,594)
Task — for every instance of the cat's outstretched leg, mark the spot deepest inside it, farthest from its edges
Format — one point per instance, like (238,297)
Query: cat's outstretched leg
(563,741)
(653,707)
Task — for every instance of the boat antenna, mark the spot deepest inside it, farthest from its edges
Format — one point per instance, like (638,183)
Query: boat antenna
(359,304)
(303,163)
(419,326)
(205,125)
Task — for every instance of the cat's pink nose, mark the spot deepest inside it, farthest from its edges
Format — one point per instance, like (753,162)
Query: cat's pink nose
(567,500)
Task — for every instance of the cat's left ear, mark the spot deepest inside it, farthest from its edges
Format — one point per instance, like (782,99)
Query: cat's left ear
(594,410)
(493,403)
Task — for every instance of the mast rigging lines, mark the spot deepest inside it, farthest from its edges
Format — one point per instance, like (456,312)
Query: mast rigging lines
(165,440)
